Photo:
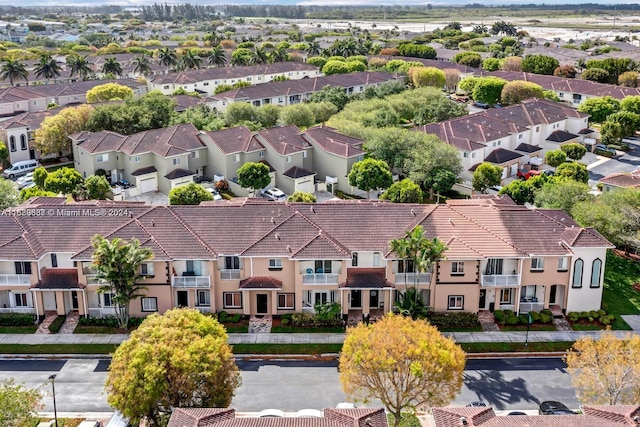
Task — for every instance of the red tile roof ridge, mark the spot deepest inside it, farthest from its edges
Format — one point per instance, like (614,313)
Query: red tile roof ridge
(457,239)
(26,234)
(328,237)
(268,233)
(189,229)
(26,242)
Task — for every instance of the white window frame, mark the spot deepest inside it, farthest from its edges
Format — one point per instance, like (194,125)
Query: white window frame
(286,301)
(236,158)
(149,304)
(578,275)
(176,161)
(457,268)
(146,269)
(107,299)
(101,158)
(508,292)
(275,264)
(563,263)
(137,159)
(232,303)
(20,299)
(203,298)
(377,259)
(455,302)
(537,264)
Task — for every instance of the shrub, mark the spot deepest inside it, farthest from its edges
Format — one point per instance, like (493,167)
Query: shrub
(284,321)
(594,314)
(98,321)
(16,319)
(573,316)
(535,316)
(453,320)
(499,315)
(584,314)
(302,320)
(601,313)
(55,326)
(512,320)
(523,319)
(547,312)
(607,319)
(545,318)
(223,316)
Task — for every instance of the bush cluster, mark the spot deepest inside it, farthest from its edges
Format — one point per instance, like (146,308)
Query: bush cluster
(55,326)
(224,317)
(309,320)
(453,320)
(600,316)
(16,319)
(508,317)
(98,321)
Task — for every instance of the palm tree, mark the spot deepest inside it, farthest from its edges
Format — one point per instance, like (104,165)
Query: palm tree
(191,60)
(313,48)
(418,253)
(167,57)
(259,56)
(141,65)
(47,67)
(13,70)
(112,66)
(279,55)
(79,65)
(117,264)
(217,57)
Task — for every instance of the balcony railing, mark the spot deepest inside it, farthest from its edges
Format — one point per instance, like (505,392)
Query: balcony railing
(229,274)
(191,282)
(15,279)
(500,280)
(507,307)
(92,279)
(203,308)
(21,310)
(413,278)
(320,279)
(102,311)
(526,307)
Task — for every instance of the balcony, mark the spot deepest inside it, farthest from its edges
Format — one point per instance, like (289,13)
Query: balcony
(494,280)
(15,280)
(197,282)
(413,278)
(526,307)
(320,279)
(229,274)
(102,311)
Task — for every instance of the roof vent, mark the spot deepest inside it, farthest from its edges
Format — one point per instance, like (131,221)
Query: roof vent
(273,221)
(288,248)
(312,210)
(368,422)
(277,236)
(463,421)
(153,223)
(451,221)
(413,212)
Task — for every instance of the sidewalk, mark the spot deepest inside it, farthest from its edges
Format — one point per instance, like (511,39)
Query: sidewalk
(311,338)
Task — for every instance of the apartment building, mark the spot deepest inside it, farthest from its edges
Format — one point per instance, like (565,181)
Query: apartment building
(255,257)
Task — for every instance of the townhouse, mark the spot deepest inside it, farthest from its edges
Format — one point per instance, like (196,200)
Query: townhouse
(513,136)
(613,181)
(290,92)
(16,100)
(206,80)
(162,159)
(18,134)
(255,257)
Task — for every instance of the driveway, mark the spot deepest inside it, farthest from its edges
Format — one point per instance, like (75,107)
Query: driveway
(600,167)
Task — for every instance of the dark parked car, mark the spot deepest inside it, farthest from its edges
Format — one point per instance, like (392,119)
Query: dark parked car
(516,413)
(551,407)
(481,104)
(476,404)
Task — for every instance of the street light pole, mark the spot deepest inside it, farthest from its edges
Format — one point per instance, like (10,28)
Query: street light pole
(52,377)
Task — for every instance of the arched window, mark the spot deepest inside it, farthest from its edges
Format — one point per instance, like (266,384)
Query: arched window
(596,270)
(12,143)
(578,266)
(23,142)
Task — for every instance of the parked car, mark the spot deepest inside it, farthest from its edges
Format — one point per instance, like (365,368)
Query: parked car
(274,194)
(216,195)
(526,174)
(516,413)
(548,172)
(481,104)
(24,181)
(20,168)
(551,407)
(477,404)
(602,147)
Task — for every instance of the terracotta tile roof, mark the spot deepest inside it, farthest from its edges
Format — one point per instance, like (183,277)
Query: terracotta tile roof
(624,180)
(528,148)
(179,173)
(235,140)
(500,156)
(260,282)
(58,278)
(329,140)
(199,417)
(144,171)
(46,201)
(321,247)
(561,136)
(296,172)
(284,140)
(24,93)
(374,278)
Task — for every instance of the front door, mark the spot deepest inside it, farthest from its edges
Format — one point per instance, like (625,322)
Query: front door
(356,299)
(74,300)
(552,294)
(483,299)
(261,303)
(32,154)
(183,299)
(374,298)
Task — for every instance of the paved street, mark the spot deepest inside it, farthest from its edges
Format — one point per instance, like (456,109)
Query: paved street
(294,385)
(627,162)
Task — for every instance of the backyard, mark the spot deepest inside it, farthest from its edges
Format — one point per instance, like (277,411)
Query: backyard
(619,295)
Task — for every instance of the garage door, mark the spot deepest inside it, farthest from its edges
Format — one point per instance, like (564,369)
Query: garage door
(306,186)
(147,185)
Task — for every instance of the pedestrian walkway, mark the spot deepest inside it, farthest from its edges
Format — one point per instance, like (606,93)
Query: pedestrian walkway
(311,338)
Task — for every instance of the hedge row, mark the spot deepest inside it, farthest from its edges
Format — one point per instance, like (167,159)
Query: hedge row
(453,320)
(591,316)
(508,317)
(55,326)
(16,319)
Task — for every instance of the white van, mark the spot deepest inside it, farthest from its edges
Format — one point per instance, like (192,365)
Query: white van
(20,168)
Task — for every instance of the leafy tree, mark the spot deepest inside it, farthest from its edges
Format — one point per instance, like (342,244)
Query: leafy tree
(566,71)
(79,65)
(441,181)
(521,191)
(631,103)
(488,89)
(470,59)
(27,193)
(117,264)
(112,66)
(562,194)
(516,91)
(427,76)
(268,115)
(53,134)
(574,170)
(502,27)
(555,158)
(299,115)
(300,196)
(201,116)
(599,108)
(239,112)
(333,94)
(190,194)
(253,176)
(9,196)
(4,155)
(606,371)
(47,67)
(540,64)
(468,84)
(405,191)
(18,405)
(182,359)
(574,151)
(97,187)
(486,175)
(451,79)
(335,67)
(404,363)
(511,63)
(491,64)
(63,180)
(629,122)
(370,174)
(322,111)
(614,67)
(426,160)
(13,69)
(108,92)
(417,51)
(628,79)
(611,132)
(595,75)
(39,176)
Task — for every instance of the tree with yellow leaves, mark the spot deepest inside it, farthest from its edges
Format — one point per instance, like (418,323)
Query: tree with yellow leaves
(406,364)
(178,360)
(53,134)
(606,371)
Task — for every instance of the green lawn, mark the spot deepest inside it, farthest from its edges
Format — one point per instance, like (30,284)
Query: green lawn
(295,330)
(18,329)
(619,297)
(523,328)
(95,330)
(508,347)
(57,348)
